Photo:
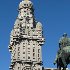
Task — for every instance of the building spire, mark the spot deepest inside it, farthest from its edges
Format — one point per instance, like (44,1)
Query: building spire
(26,0)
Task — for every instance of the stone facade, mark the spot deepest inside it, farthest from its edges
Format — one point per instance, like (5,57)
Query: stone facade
(26,40)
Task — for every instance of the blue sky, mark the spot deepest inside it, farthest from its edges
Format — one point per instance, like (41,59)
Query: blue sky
(55,18)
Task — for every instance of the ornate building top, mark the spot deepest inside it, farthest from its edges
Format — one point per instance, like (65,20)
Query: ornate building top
(25,4)
(26,0)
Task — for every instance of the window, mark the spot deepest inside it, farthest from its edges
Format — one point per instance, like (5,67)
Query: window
(38,68)
(29,33)
(24,4)
(38,55)
(28,41)
(38,50)
(27,4)
(24,11)
(18,53)
(38,59)
(28,28)
(24,49)
(29,53)
(27,13)
(18,24)
(23,52)
(33,50)
(23,43)
(28,57)
(23,30)
(18,48)
(23,57)
(33,54)
(28,48)
(18,68)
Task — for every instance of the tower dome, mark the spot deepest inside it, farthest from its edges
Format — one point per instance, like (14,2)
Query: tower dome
(25,4)
(39,26)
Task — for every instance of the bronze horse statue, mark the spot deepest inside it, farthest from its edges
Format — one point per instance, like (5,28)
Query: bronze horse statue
(63,58)
(63,54)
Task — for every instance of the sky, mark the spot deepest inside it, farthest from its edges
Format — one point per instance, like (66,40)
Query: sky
(55,18)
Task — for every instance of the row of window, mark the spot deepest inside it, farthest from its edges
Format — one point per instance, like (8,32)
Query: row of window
(28,51)
(27,68)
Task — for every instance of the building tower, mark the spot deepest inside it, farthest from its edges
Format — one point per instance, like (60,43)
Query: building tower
(26,40)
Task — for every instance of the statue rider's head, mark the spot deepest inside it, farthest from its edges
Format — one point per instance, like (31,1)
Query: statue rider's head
(65,35)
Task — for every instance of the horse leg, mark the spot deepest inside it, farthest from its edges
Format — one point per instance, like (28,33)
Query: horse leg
(59,68)
(64,62)
(64,68)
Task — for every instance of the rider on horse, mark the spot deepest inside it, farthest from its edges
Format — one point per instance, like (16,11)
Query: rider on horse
(63,42)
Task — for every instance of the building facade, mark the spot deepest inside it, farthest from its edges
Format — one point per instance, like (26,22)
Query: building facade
(26,40)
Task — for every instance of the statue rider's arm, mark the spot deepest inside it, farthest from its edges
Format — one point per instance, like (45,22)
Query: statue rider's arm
(60,43)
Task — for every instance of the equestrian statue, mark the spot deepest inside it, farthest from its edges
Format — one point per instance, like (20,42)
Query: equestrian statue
(63,55)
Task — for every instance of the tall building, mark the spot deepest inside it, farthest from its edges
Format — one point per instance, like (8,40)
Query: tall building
(26,40)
